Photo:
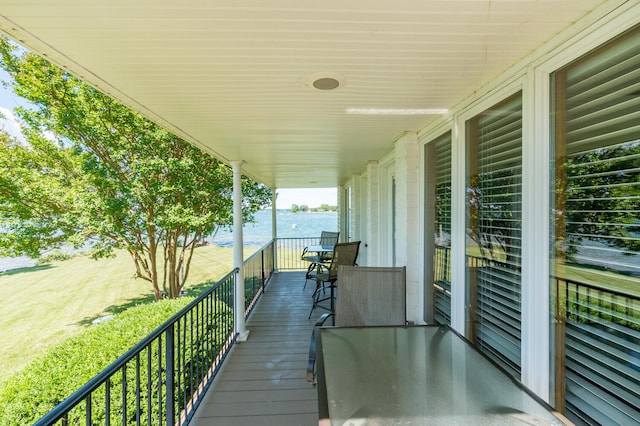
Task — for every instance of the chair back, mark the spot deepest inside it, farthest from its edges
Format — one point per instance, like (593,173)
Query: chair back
(328,238)
(369,296)
(344,254)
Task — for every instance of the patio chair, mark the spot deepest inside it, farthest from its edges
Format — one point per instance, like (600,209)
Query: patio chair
(367,296)
(327,275)
(327,239)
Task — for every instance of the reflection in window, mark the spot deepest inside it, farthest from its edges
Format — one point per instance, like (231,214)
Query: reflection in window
(494,205)
(438,225)
(596,257)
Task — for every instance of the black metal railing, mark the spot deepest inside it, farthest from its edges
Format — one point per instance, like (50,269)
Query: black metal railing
(598,331)
(442,284)
(588,303)
(257,271)
(162,380)
(289,251)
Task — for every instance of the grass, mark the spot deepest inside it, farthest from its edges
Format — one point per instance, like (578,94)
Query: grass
(44,305)
(602,279)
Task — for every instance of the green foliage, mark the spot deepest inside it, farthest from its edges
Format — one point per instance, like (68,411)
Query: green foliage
(55,255)
(494,219)
(51,378)
(602,193)
(325,208)
(37,193)
(304,208)
(93,172)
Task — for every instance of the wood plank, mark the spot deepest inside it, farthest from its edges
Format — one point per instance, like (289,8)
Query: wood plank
(263,380)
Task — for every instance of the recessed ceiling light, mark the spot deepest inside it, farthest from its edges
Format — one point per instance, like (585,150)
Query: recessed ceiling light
(326,80)
(326,83)
(397,111)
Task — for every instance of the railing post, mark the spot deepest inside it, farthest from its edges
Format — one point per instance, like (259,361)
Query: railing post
(88,413)
(243,333)
(262,268)
(561,314)
(274,228)
(170,367)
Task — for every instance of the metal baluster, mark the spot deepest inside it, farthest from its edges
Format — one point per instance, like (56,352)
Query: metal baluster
(88,410)
(170,370)
(107,401)
(160,405)
(124,394)
(149,379)
(138,388)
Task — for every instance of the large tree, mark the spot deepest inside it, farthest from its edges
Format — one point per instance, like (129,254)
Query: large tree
(91,172)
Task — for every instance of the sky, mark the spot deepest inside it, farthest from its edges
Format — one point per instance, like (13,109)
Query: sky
(8,101)
(312,197)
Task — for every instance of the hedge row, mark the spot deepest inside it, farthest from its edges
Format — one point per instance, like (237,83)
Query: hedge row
(52,377)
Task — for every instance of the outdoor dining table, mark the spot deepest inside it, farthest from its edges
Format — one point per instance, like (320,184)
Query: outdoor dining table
(416,375)
(320,249)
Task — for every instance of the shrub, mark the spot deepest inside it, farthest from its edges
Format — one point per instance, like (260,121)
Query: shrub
(52,377)
(54,256)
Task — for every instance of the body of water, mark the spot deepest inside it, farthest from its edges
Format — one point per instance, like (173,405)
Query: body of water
(290,225)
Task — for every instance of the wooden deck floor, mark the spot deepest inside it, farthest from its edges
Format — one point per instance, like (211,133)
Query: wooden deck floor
(263,381)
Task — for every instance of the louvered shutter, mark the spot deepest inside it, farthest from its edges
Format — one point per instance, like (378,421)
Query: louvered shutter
(597,144)
(440,161)
(494,204)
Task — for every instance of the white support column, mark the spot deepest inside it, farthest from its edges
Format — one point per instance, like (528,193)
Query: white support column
(356,211)
(536,316)
(274,227)
(408,228)
(343,211)
(243,333)
(372,206)
(458,228)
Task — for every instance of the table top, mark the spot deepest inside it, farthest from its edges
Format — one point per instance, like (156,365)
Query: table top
(319,248)
(416,376)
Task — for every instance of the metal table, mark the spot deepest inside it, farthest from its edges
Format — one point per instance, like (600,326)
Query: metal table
(422,375)
(319,249)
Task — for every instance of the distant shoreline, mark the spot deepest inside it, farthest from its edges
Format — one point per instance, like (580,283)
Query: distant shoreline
(300,211)
(290,225)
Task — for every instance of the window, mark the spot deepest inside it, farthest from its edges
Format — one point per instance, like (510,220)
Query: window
(438,228)
(596,256)
(493,247)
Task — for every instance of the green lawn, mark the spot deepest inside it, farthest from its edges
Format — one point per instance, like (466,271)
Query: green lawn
(43,305)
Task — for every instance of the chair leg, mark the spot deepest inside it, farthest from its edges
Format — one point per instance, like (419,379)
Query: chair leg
(317,297)
(333,300)
(315,303)
(308,274)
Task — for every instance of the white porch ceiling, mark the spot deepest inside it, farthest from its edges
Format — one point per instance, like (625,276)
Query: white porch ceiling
(233,76)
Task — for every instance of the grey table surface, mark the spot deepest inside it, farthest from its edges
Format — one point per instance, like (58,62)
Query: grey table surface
(422,375)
